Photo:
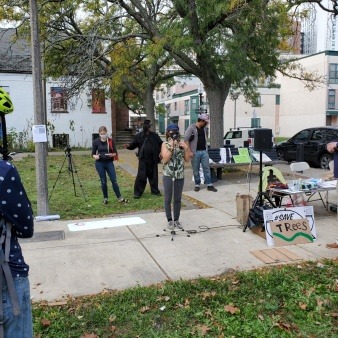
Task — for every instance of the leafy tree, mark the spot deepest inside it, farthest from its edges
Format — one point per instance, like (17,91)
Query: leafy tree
(226,44)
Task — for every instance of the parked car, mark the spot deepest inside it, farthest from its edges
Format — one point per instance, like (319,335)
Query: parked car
(314,141)
(241,137)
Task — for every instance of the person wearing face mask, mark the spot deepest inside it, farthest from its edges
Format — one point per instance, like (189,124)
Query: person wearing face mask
(196,139)
(104,152)
(149,148)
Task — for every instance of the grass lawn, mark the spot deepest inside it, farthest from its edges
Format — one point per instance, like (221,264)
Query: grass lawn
(61,189)
(283,301)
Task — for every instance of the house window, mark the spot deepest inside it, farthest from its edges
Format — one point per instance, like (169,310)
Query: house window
(186,107)
(60,140)
(98,101)
(332,99)
(333,73)
(59,100)
(277,100)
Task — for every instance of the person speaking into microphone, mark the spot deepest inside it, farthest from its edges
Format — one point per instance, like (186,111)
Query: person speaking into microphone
(174,153)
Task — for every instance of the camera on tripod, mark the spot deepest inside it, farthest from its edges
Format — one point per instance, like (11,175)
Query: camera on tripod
(68,149)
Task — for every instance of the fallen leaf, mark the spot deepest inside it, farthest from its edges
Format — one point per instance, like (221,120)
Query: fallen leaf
(206,295)
(186,302)
(89,335)
(45,322)
(303,306)
(57,303)
(144,309)
(112,318)
(203,329)
(284,326)
(232,309)
(113,328)
(260,317)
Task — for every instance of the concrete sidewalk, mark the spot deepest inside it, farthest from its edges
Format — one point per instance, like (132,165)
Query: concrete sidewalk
(90,261)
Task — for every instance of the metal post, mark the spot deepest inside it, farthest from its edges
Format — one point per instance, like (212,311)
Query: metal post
(39,116)
(235,97)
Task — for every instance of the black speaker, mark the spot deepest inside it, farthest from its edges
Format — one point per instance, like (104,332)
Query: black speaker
(263,139)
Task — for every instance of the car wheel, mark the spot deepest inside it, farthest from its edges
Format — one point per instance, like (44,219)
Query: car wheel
(324,161)
(281,154)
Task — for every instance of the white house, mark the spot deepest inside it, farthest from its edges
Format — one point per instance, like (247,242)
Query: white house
(73,122)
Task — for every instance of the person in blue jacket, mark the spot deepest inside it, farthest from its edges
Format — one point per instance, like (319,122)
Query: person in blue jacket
(16,221)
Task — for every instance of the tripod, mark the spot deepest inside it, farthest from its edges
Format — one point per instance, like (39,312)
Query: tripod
(261,195)
(71,169)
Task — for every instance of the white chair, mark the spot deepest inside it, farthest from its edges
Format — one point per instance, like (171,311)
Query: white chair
(301,167)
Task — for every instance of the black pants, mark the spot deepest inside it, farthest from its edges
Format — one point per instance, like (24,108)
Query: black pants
(146,170)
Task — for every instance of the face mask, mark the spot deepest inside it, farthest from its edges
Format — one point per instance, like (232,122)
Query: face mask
(103,137)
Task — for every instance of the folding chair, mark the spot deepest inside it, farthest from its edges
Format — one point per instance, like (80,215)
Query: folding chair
(301,167)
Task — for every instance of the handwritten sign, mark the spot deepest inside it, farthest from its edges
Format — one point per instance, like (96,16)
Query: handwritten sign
(291,232)
(288,218)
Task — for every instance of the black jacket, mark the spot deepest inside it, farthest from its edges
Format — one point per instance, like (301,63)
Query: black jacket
(140,139)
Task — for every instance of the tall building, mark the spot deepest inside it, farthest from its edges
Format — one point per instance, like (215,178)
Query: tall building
(319,29)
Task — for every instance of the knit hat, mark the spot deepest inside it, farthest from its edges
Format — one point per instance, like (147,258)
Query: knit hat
(173,127)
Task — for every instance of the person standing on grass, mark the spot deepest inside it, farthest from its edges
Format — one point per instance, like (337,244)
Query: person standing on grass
(174,154)
(104,153)
(149,148)
(196,139)
(16,221)
(332,147)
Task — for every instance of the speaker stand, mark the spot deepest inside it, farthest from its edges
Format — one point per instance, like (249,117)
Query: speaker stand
(261,196)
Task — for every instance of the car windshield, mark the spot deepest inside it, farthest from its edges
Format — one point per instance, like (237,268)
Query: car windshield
(233,134)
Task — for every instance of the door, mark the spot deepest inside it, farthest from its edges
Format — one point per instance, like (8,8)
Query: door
(300,138)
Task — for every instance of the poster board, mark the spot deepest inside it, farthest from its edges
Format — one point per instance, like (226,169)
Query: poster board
(296,231)
(243,156)
(288,216)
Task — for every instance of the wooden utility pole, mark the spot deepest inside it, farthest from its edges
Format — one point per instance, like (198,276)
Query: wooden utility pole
(39,114)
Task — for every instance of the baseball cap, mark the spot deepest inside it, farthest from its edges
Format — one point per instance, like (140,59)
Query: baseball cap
(173,127)
(204,117)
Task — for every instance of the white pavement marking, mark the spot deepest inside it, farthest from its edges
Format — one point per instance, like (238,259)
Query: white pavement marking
(109,223)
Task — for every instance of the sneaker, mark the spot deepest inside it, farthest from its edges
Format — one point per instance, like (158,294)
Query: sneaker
(105,201)
(177,224)
(212,188)
(123,200)
(171,225)
(197,188)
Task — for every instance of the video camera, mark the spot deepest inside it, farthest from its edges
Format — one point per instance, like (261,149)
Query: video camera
(68,149)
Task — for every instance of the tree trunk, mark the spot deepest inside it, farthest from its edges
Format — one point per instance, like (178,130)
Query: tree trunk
(149,104)
(216,98)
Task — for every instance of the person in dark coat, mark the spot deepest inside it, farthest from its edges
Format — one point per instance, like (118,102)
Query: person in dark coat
(149,148)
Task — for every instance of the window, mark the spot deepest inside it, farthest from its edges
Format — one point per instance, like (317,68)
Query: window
(317,135)
(333,73)
(277,100)
(332,99)
(302,136)
(257,102)
(98,101)
(60,140)
(186,107)
(59,100)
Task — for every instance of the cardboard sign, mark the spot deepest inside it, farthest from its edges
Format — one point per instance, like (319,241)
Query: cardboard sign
(288,215)
(296,231)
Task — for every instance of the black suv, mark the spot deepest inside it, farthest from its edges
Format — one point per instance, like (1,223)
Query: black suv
(314,141)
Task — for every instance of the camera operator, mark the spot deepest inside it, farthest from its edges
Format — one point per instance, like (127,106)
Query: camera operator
(16,221)
(332,147)
(174,154)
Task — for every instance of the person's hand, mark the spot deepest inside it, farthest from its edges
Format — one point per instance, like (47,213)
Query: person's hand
(125,146)
(96,157)
(113,155)
(183,145)
(331,147)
